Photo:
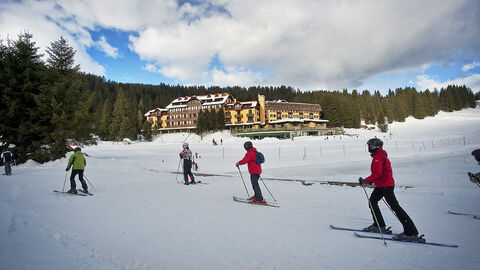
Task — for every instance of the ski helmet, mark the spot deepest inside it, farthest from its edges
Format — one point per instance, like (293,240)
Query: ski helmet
(77,149)
(476,154)
(185,145)
(374,144)
(247,145)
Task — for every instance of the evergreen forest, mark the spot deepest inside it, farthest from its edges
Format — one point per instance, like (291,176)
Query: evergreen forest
(46,101)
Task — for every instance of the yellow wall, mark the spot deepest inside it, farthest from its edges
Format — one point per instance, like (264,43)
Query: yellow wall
(164,121)
(261,103)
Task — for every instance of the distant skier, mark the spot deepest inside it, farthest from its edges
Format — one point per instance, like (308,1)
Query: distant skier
(77,160)
(475,177)
(187,157)
(7,157)
(214,142)
(221,142)
(384,185)
(254,169)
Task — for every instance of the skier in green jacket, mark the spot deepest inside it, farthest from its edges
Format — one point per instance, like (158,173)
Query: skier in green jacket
(78,161)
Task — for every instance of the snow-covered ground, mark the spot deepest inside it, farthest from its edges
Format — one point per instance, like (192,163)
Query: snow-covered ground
(141,218)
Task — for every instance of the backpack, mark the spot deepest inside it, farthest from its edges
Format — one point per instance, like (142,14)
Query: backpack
(260,158)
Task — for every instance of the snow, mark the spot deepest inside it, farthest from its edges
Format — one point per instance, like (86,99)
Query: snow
(141,218)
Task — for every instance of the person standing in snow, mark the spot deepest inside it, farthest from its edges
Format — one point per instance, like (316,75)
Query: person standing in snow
(187,157)
(7,157)
(475,177)
(77,160)
(382,177)
(254,169)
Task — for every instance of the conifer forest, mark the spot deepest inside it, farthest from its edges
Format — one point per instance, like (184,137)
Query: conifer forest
(46,101)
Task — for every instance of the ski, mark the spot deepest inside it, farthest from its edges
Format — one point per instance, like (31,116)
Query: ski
(358,230)
(64,192)
(406,241)
(88,193)
(196,182)
(464,214)
(242,200)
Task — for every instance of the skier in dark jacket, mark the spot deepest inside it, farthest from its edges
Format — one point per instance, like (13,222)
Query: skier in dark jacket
(7,157)
(187,157)
(382,177)
(77,160)
(254,169)
(475,177)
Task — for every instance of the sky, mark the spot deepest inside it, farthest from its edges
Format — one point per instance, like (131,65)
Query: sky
(306,44)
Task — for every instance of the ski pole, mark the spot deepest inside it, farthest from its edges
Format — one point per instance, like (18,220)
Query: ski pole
(178,169)
(89,182)
(373,212)
(243,181)
(63,189)
(391,209)
(267,189)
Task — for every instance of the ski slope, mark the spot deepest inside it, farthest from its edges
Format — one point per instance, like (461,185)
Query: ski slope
(142,217)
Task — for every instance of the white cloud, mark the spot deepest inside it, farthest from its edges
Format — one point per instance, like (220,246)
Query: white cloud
(235,78)
(103,45)
(308,44)
(151,68)
(468,67)
(426,82)
(41,19)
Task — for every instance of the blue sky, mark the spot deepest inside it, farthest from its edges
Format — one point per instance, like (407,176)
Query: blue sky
(306,44)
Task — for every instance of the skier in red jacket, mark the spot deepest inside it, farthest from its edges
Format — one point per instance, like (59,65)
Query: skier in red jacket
(254,169)
(381,176)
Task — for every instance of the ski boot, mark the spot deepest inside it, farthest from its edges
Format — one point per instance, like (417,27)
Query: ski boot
(374,228)
(262,202)
(72,191)
(192,182)
(252,198)
(412,238)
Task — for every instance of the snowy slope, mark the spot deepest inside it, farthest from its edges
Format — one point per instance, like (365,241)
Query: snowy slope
(141,218)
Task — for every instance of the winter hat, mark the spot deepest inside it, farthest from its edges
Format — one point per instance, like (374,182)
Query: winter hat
(77,149)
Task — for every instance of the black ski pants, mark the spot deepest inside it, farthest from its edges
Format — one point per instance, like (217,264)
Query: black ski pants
(387,192)
(187,170)
(256,187)
(80,177)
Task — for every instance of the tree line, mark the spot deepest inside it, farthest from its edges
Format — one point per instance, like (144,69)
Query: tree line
(46,103)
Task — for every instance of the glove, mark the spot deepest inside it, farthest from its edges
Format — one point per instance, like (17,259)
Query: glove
(180,155)
(473,178)
(67,169)
(362,181)
(236,164)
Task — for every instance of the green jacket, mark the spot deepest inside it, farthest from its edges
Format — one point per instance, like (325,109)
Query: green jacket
(78,161)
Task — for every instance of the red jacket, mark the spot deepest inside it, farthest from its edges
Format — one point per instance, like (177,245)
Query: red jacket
(251,159)
(381,170)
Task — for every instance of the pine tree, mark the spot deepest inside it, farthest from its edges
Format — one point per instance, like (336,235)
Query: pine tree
(147,131)
(22,74)
(418,106)
(381,123)
(104,123)
(70,106)
(123,124)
